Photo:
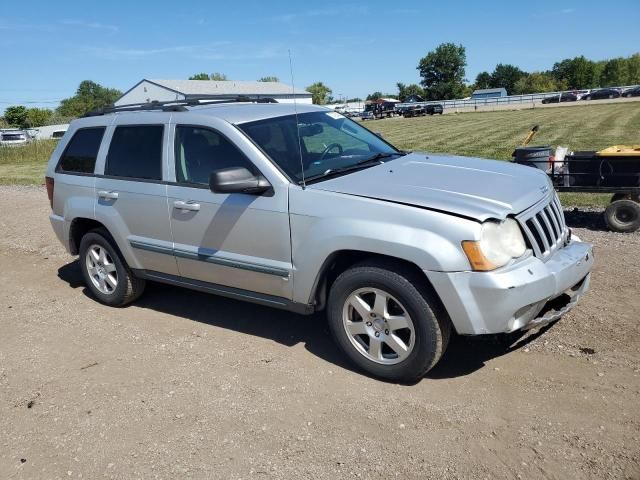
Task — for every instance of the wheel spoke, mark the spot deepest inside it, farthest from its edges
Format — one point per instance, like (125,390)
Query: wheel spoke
(103,256)
(101,284)
(95,255)
(111,280)
(375,348)
(110,267)
(357,328)
(380,304)
(397,345)
(397,322)
(360,306)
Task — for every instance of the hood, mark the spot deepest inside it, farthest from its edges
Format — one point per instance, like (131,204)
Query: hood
(469,187)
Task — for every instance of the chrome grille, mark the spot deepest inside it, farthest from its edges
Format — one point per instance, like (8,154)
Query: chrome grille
(544,227)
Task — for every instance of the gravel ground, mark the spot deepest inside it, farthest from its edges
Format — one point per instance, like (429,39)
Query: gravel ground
(186,385)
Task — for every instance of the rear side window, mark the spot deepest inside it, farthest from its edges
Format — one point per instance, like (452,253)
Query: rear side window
(136,152)
(82,151)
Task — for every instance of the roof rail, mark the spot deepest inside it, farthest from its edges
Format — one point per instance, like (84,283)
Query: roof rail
(178,105)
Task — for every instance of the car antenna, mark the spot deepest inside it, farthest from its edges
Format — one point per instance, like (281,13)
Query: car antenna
(295,109)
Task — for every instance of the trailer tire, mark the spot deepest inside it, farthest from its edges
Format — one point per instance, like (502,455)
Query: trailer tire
(623,216)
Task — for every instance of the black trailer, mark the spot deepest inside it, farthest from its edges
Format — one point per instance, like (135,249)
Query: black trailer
(614,170)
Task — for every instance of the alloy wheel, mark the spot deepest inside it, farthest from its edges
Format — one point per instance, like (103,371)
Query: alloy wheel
(378,326)
(102,271)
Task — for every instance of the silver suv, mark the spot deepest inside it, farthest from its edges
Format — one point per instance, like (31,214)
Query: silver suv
(306,210)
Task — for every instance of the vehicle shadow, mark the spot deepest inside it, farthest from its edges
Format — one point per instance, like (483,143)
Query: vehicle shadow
(464,355)
(590,220)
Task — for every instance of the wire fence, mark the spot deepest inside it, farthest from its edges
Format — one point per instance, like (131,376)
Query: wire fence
(531,98)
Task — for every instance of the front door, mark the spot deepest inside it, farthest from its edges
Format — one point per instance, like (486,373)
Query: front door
(234,240)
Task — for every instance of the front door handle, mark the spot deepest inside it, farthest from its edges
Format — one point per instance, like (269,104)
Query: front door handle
(190,205)
(108,195)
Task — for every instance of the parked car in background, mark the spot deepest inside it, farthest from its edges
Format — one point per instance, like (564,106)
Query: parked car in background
(602,94)
(14,137)
(412,111)
(632,92)
(434,108)
(564,97)
(368,115)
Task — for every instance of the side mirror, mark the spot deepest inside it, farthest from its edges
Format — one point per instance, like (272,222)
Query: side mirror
(237,180)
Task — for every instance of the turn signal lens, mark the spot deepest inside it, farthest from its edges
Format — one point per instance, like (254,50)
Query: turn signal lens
(476,258)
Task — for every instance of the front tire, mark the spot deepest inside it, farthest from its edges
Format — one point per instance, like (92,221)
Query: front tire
(105,272)
(387,321)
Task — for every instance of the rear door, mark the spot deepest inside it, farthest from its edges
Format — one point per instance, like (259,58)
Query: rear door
(131,194)
(234,240)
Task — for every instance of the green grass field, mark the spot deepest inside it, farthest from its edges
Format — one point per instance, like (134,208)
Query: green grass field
(485,134)
(25,165)
(496,134)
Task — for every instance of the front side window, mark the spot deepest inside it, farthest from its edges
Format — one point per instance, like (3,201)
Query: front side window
(329,142)
(199,151)
(136,152)
(82,151)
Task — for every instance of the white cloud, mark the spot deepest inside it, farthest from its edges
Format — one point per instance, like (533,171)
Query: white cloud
(89,24)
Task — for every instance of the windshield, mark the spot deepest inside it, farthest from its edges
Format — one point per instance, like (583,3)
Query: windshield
(328,141)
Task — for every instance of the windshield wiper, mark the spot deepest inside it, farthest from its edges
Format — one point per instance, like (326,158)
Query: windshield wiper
(375,159)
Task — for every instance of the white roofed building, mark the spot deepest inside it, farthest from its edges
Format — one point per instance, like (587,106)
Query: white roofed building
(167,90)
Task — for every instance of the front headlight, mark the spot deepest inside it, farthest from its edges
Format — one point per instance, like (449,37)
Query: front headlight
(499,243)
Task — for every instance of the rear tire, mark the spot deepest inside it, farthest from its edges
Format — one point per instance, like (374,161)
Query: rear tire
(387,321)
(623,216)
(105,272)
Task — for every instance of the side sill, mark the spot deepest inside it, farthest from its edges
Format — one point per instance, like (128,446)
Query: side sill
(230,292)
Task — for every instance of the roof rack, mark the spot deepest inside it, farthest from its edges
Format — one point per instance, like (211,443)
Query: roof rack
(178,105)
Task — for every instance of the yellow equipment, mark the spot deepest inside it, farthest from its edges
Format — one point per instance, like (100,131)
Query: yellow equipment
(530,135)
(620,151)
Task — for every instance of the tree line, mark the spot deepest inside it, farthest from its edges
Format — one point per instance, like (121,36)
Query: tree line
(89,96)
(443,76)
(442,73)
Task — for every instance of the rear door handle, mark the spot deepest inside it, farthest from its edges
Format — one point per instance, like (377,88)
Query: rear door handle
(190,205)
(107,194)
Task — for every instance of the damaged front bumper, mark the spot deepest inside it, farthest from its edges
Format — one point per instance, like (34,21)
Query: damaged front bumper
(530,293)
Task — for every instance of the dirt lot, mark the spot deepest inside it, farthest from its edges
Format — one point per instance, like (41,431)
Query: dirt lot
(185,385)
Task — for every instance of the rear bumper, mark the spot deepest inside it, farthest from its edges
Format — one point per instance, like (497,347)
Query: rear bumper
(528,294)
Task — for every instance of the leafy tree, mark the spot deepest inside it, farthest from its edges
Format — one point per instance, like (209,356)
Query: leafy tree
(575,72)
(271,78)
(89,96)
(534,83)
(16,116)
(506,76)
(374,96)
(406,91)
(615,72)
(320,93)
(199,76)
(634,69)
(214,76)
(442,72)
(483,80)
(3,123)
(37,117)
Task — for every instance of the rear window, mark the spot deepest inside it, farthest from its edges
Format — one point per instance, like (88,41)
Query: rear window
(82,151)
(136,152)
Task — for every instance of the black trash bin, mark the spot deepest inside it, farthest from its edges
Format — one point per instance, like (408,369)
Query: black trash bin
(537,157)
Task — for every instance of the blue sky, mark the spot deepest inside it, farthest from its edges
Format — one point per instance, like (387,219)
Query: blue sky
(47,47)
